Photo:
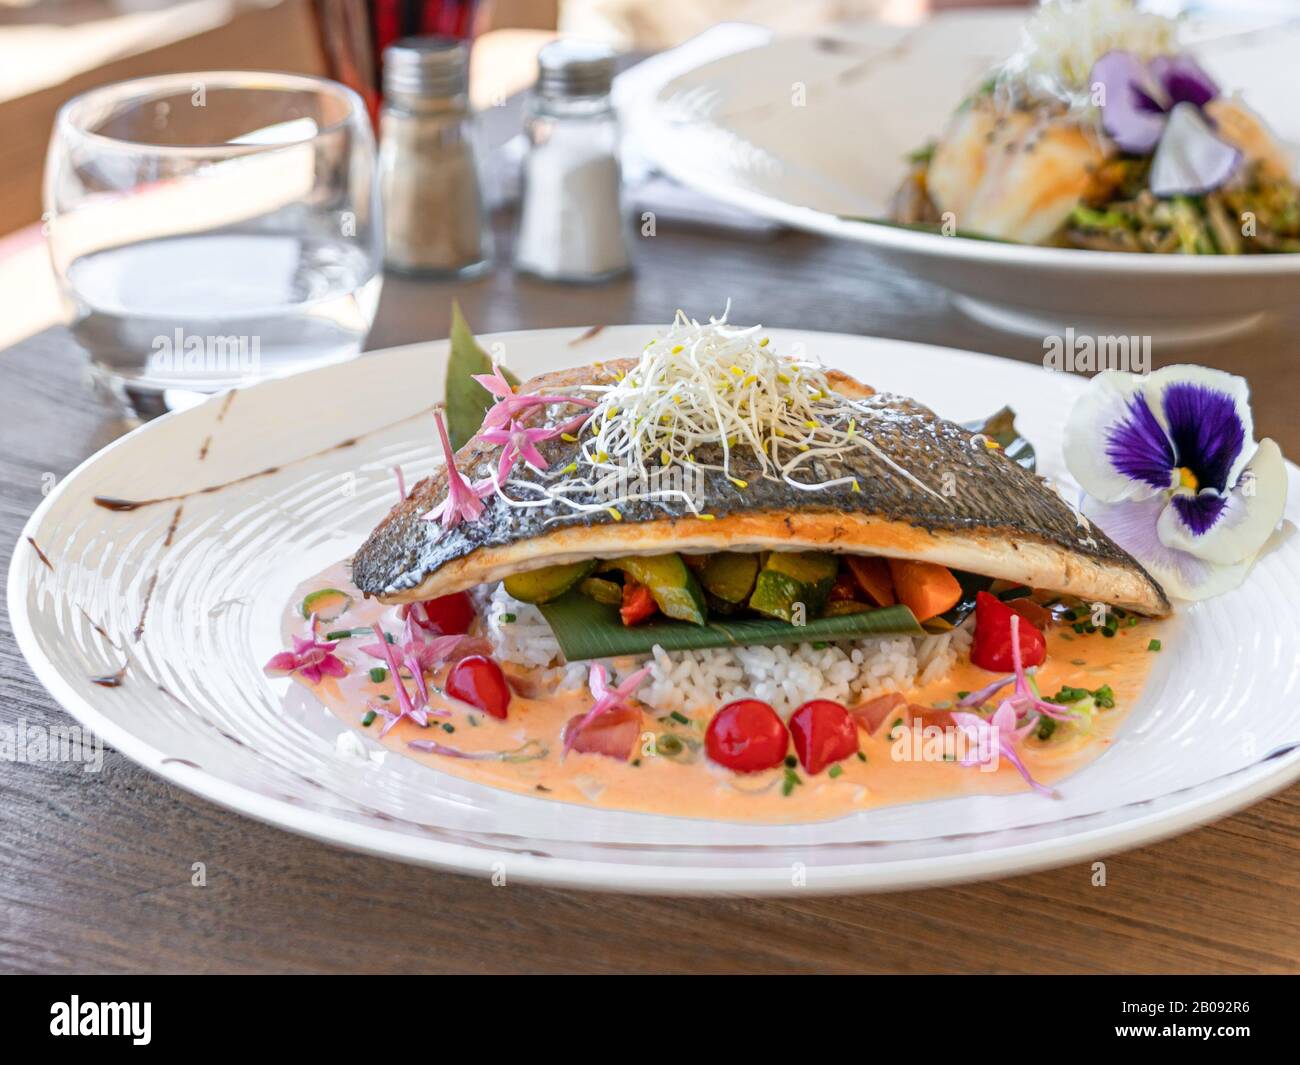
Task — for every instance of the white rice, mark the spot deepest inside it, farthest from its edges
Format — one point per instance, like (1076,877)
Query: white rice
(785,676)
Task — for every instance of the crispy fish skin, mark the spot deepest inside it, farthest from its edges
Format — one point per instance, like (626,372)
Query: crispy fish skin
(994,517)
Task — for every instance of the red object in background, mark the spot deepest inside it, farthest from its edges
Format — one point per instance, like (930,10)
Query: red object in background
(354,34)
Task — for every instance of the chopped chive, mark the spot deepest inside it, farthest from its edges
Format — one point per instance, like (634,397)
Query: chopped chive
(680,718)
(369,719)
(791,761)
(1154,645)
(962,695)
(507,619)
(448,727)
(343,634)
(379,674)
(834,771)
(861,757)
(791,779)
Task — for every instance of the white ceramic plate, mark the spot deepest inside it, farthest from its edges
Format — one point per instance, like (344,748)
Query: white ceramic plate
(813,131)
(1216,729)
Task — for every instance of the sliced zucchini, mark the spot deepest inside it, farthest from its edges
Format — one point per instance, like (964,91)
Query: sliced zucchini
(839,607)
(720,607)
(608,592)
(677,592)
(328,604)
(543,585)
(790,578)
(730,576)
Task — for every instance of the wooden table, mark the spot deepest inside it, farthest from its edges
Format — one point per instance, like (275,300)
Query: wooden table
(95,870)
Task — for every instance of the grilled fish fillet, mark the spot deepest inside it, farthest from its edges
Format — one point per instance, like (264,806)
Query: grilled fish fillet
(996,519)
(1015,175)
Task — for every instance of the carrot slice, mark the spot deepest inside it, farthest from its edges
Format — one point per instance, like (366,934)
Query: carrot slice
(926,588)
(873,578)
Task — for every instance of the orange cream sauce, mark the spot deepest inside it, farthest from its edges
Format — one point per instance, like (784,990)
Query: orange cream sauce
(896,769)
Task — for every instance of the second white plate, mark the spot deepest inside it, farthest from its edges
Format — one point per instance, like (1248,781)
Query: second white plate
(815,131)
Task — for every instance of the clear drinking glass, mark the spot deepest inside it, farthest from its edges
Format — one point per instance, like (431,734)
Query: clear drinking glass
(213,229)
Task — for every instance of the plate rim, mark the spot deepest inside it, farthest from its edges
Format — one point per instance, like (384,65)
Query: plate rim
(1221,796)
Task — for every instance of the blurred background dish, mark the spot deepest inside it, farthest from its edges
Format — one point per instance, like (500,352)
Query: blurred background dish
(816,132)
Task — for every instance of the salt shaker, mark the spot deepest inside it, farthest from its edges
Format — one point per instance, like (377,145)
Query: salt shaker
(434,219)
(572,226)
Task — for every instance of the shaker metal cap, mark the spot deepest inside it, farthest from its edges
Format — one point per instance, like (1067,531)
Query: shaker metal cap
(569,67)
(426,67)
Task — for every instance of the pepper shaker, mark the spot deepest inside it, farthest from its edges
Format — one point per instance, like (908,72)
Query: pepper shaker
(434,218)
(572,227)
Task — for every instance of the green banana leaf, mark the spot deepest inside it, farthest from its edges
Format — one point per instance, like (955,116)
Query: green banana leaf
(467,400)
(586,629)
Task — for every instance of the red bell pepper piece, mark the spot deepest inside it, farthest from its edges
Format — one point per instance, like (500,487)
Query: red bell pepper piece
(638,603)
(991,648)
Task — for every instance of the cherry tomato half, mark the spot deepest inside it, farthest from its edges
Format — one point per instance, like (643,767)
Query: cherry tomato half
(478,680)
(823,733)
(991,647)
(747,736)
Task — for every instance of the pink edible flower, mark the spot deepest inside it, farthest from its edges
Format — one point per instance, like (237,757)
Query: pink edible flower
(415,649)
(310,657)
(1024,693)
(463,503)
(417,710)
(997,738)
(419,655)
(979,698)
(510,405)
(495,382)
(504,411)
(1023,697)
(518,442)
(607,699)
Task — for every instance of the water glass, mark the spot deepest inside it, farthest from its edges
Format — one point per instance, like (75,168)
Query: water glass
(210,230)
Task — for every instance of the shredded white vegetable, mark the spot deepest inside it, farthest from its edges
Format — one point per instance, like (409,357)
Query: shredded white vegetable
(1064,38)
(708,384)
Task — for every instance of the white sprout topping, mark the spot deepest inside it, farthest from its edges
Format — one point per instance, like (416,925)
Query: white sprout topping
(1062,40)
(708,384)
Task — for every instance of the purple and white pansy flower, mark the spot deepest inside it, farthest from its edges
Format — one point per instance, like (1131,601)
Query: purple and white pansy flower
(1159,106)
(1171,471)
